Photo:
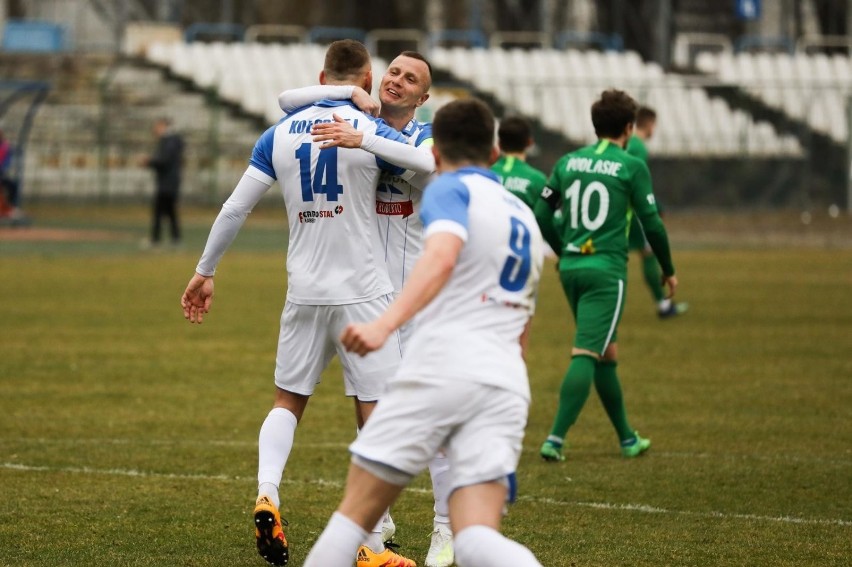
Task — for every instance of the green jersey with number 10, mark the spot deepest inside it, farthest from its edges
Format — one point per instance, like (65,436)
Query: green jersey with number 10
(595,187)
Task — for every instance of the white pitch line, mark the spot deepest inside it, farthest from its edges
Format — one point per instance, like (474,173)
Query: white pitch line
(646,509)
(782,458)
(643,508)
(160,442)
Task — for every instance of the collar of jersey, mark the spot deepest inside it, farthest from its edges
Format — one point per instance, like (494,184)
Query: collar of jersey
(412,125)
(325,103)
(467,170)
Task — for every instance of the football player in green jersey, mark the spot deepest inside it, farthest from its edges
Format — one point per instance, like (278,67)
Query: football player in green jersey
(595,188)
(523,180)
(646,123)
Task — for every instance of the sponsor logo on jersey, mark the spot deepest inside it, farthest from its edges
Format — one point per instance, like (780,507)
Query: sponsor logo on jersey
(587,248)
(485,298)
(399,208)
(312,216)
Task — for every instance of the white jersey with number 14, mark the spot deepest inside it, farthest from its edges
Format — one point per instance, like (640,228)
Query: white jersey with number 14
(334,255)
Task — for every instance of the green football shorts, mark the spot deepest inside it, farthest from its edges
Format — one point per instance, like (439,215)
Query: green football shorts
(597,302)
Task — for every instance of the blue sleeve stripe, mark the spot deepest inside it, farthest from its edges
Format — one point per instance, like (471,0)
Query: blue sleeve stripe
(385,131)
(447,198)
(261,156)
(425,134)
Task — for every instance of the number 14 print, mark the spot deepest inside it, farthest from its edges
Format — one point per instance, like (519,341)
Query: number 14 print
(324,180)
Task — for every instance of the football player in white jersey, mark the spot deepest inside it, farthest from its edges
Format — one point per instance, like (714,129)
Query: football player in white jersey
(403,88)
(335,266)
(463,381)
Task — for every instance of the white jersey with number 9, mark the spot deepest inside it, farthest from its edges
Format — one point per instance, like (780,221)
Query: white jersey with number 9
(471,330)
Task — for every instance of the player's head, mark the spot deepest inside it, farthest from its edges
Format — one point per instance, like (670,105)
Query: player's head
(347,62)
(405,85)
(646,122)
(463,131)
(514,135)
(613,115)
(162,125)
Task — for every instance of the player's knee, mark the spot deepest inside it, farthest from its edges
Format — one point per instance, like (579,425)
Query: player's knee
(610,354)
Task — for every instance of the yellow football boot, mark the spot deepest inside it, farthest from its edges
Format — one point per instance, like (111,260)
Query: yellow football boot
(387,558)
(269,532)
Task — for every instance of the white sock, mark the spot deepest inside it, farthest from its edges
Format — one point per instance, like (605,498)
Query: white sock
(373,540)
(439,470)
(664,305)
(337,544)
(273,449)
(480,546)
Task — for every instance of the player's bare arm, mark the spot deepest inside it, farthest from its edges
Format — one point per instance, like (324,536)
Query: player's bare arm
(197,298)
(428,277)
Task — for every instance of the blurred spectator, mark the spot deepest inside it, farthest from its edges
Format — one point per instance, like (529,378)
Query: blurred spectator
(167,162)
(9,198)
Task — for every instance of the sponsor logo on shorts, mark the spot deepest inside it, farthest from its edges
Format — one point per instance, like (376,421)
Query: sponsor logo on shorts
(312,216)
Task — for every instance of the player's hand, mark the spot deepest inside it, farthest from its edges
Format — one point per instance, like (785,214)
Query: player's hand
(671,283)
(339,133)
(364,338)
(365,102)
(197,297)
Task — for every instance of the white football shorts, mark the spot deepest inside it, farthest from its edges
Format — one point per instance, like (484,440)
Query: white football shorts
(480,427)
(310,337)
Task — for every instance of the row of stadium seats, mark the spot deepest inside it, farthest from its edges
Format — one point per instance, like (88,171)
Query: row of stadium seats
(556,87)
(249,74)
(559,87)
(811,88)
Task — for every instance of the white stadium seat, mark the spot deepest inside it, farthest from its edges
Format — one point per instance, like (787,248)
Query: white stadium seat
(556,86)
(813,88)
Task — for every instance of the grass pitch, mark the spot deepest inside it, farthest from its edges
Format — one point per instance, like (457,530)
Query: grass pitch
(128,436)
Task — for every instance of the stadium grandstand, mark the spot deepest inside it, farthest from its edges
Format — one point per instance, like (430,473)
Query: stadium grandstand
(752,96)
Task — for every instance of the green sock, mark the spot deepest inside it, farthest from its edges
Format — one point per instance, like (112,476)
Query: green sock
(573,394)
(653,277)
(609,390)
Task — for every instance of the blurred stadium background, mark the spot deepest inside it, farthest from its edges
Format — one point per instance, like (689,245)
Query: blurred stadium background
(753,95)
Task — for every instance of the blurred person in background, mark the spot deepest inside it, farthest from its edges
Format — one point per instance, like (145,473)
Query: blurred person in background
(9,197)
(646,123)
(514,137)
(167,162)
